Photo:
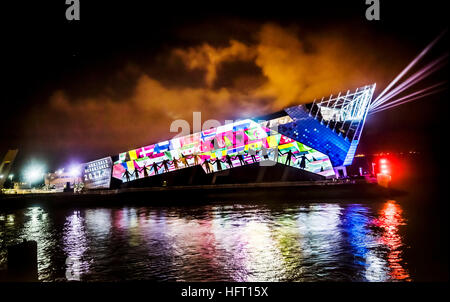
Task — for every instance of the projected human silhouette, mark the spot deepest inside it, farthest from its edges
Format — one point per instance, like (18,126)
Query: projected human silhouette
(136,173)
(229,161)
(155,167)
(145,169)
(303,161)
(206,163)
(289,157)
(165,163)
(218,163)
(241,159)
(175,163)
(184,160)
(127,175)
(196,158)
(252,152)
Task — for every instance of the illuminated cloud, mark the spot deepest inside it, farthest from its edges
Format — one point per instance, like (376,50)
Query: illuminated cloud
(209,58)
(298,71)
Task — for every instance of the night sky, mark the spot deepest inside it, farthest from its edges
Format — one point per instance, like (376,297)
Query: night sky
(76,91)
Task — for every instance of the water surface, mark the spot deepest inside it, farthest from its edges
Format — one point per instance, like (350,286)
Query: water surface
(319,241)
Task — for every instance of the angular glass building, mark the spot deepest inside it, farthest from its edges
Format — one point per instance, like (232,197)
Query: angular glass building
(318,138)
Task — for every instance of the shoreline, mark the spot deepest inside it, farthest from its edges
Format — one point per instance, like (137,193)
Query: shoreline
(202,194)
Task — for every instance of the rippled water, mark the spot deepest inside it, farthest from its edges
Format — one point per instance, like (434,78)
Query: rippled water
(219,242)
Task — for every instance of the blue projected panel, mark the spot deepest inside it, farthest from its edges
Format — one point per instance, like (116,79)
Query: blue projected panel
(311,132)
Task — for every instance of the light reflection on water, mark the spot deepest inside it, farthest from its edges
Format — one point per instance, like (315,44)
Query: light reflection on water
(263,242)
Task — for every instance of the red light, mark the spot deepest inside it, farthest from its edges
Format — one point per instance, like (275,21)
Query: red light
(384,166)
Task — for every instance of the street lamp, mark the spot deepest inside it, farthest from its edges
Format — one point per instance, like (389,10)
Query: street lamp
(34,173)
(74,170)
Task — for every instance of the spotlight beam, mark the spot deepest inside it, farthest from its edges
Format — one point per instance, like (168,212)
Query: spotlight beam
(411,95)
(416,77)
(410,65)
(407,100)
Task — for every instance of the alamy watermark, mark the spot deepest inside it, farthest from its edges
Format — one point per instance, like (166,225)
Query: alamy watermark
(373,11)
(73,10)
(72,269)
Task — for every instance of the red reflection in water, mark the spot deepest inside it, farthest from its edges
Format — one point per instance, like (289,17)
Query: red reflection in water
(389,220)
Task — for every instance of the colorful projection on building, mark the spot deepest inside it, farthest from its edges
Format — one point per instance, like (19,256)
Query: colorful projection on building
(232,145)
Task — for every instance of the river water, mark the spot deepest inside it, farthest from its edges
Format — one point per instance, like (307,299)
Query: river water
(220,242)
(345,240)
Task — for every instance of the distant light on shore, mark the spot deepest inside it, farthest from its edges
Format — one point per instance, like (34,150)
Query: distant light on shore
(34,173)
